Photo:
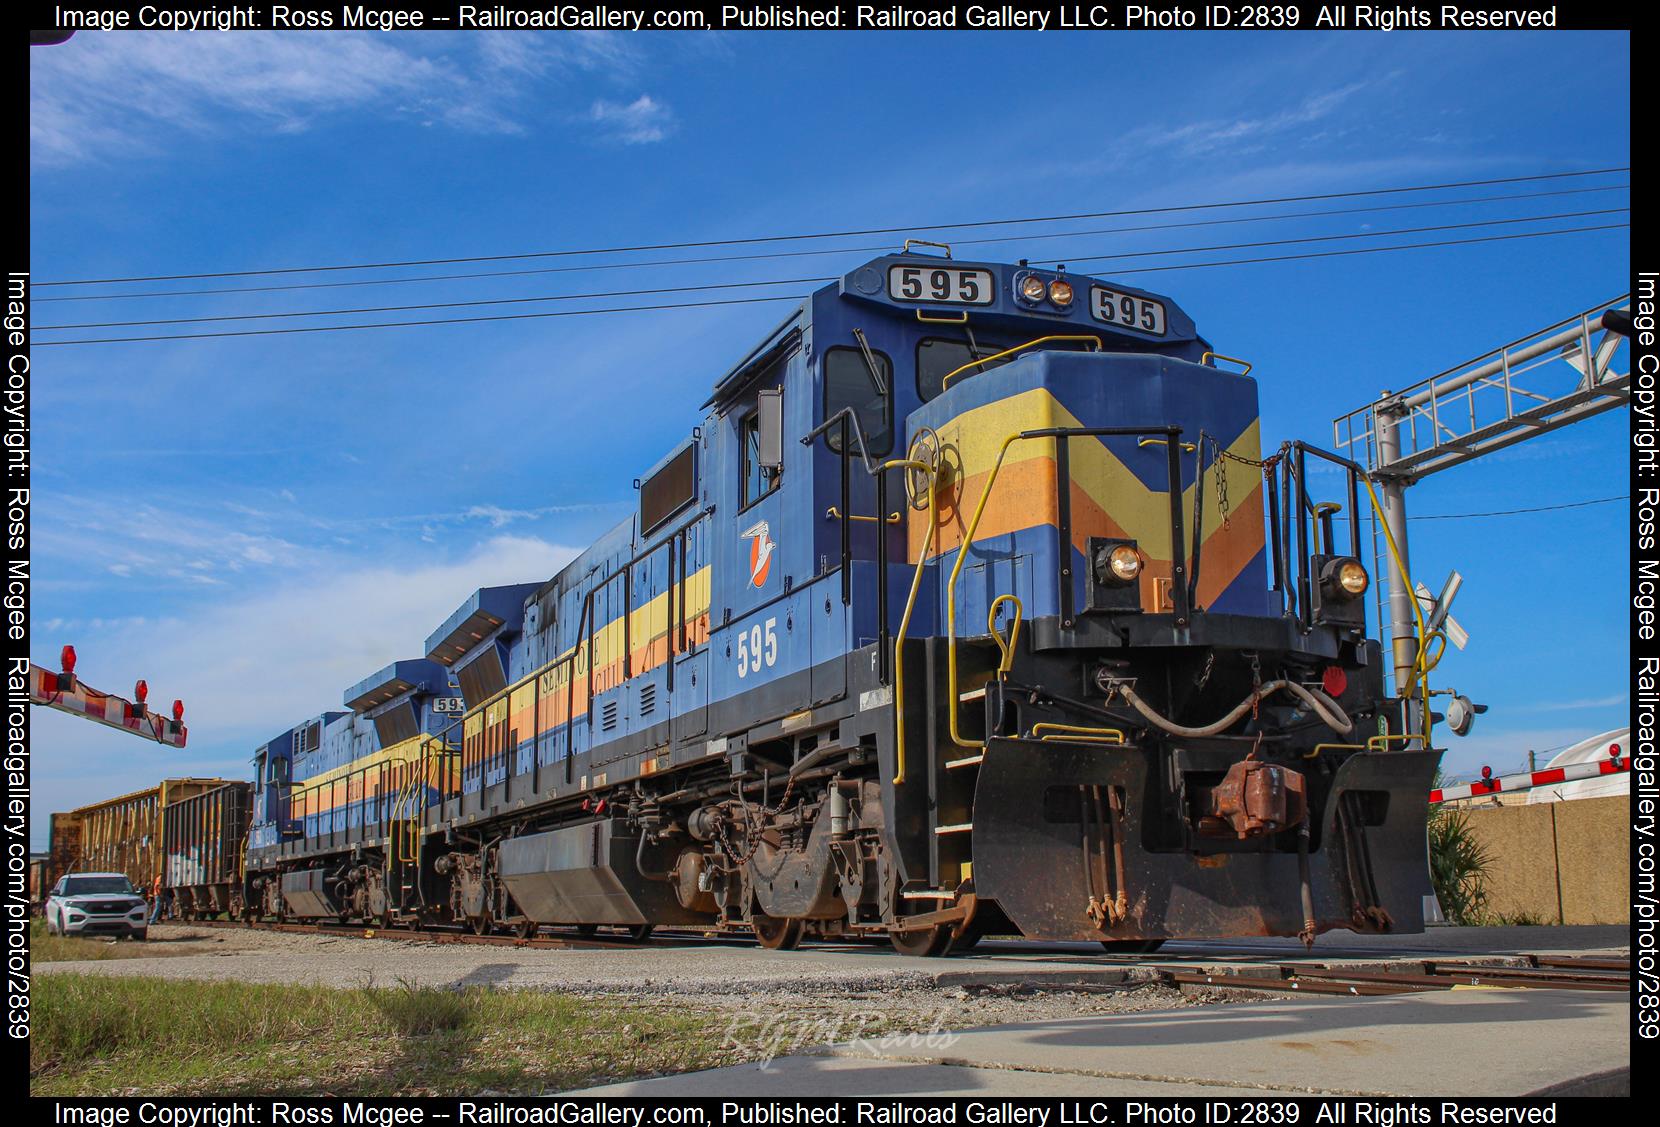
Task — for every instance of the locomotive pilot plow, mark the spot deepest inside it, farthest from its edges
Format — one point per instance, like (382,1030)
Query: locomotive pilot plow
(1078,814)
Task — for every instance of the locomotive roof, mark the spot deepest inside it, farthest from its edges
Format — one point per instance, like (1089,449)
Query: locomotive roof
(393,681)
(485,610)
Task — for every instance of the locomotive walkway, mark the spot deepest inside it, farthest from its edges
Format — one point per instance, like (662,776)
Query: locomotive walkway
(1480,1043)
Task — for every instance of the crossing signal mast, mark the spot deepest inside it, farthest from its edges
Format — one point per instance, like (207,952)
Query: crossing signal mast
(68,693)
(1532,386)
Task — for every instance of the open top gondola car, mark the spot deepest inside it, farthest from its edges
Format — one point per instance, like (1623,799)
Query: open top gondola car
(971,603)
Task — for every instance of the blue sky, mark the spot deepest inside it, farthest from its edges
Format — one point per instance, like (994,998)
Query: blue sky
(253,524)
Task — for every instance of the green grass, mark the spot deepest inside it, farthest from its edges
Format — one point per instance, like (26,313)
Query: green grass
(98,1035)
(46,948)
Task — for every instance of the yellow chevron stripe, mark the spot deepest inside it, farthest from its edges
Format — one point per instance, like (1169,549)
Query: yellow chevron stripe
(971,442)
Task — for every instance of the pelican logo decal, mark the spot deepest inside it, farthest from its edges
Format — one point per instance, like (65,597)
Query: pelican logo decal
(760,553)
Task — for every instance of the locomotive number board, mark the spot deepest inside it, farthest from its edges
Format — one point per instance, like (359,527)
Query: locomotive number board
(1127,311)
(948,285)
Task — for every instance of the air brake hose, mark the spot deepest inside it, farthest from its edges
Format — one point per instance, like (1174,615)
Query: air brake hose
(1322,705)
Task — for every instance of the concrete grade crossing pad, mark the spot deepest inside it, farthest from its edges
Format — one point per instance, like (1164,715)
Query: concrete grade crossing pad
(1450,1043)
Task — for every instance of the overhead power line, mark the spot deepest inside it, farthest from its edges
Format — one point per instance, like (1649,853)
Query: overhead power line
(1517,512)
(1372,250)
(908,229)
(1335,238)
(439,321)
(792,297)
(436,305)
(789,281)
(997,240)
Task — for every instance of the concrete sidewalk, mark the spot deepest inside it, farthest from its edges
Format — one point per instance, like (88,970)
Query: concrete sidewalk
(1476,1042)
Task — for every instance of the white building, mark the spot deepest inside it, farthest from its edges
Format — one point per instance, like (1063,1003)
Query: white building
(1593,750)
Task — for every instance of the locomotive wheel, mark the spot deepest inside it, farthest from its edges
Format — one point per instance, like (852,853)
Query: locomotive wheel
(969,939)
(481,924)
(775,934)
(928,943)
(527,929)
(639,933)
(1131,946)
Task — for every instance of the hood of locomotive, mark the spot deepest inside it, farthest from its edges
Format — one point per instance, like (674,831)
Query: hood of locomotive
(1048,508)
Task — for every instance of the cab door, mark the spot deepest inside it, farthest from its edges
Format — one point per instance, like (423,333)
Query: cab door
(763,546)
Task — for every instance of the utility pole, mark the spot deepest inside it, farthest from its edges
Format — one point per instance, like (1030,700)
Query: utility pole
(1403,638)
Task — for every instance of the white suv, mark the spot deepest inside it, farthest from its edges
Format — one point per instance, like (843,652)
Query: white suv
(96,904)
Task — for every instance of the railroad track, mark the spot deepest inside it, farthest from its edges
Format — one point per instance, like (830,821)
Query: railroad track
(1547,972)
(1413,975)
(599,941)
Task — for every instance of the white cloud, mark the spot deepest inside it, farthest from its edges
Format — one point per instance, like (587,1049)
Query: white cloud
(106,94)
(164,543)
(99,93)
(248,667)
(179,542)
(640,122)
(1216,134)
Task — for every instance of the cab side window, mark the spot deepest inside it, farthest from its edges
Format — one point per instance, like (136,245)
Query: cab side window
(758,481)
(849,382)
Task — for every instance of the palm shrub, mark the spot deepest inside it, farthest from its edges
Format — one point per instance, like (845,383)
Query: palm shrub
(1458,865)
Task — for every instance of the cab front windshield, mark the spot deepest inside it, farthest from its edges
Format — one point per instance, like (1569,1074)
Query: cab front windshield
(938,357)
(98,886)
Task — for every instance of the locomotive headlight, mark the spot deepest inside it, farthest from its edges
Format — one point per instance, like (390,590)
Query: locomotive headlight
(1344,578)
(1060,292)
(1119,565)
(1032,288)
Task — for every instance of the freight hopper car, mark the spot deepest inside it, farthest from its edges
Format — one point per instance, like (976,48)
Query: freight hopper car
(970,603)
(63,847)
(124,834)
(205,838)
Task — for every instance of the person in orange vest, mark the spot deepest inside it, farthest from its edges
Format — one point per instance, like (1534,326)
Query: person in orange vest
(155,900)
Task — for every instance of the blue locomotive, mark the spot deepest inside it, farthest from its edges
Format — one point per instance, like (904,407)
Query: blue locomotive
(971,605)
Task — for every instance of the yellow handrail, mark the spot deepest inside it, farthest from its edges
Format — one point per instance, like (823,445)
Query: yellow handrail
(1005,647)
(833,513)
(1314,752)
(1081,734)
(910,605)
(1075,337)
(951,595)
(1209,356)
